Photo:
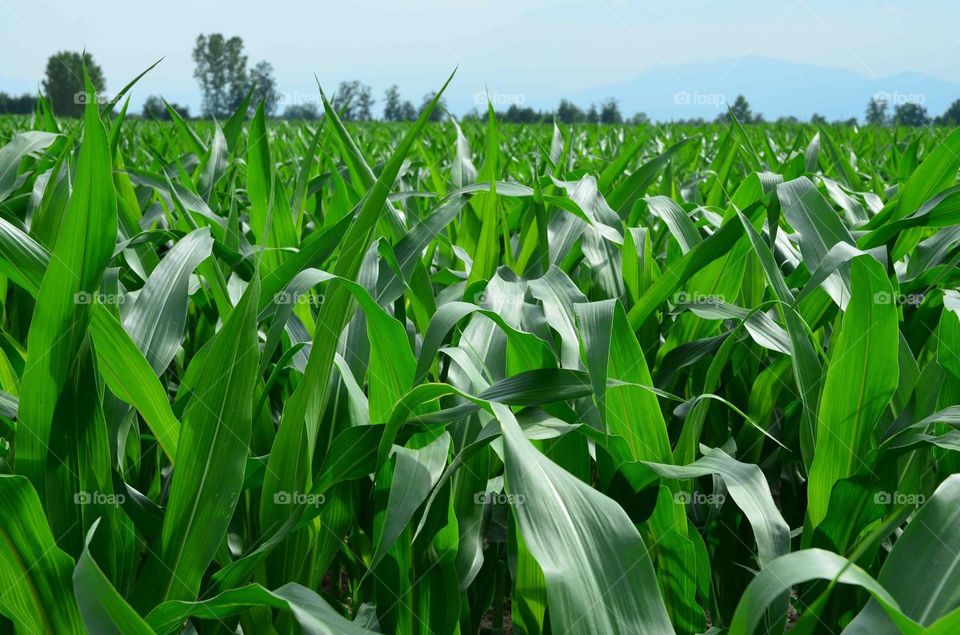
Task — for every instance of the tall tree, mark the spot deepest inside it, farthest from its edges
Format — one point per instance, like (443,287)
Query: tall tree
(568,112)
(911,114)
(17,104)
(592,115)
(354,101)
(302,112)
(64,81)
(741,110)
(392,104)
(153,108)
(610,112)
(264,87)
(221,70)
(952,115)
(877,111)
(440,112)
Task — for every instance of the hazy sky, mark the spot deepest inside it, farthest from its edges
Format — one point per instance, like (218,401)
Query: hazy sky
(540,49)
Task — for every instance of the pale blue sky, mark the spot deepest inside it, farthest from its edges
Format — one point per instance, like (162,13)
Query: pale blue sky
(538,49)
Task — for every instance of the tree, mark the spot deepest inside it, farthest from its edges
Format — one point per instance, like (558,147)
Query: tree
(568,112)
(911,114)
(592,115)
(392,104)
(64,82)
(439,113)
(353,101)
(877,111)
(302,112)
(154,108)
(952,115)
(221,70)
(741,110)
(17,104)
(519,114)
(639,119)
(264,87)
(610,112)
(818,119)
(396,109)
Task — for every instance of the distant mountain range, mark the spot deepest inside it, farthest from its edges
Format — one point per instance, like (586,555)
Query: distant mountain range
(773,87)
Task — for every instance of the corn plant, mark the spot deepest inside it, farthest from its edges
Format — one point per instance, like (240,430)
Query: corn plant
(280,377)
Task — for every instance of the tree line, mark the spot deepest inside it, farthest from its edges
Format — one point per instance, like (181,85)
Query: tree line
(225,80)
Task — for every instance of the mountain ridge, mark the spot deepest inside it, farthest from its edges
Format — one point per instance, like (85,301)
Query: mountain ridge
(774,87)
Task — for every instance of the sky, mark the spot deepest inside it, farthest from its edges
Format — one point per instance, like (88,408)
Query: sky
(525,51)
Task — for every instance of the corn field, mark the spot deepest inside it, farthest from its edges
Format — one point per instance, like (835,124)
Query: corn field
(281,377)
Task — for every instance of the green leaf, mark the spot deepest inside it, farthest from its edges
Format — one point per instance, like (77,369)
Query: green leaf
(860,381)
(103,609)
(210,464)
(803,566)
(83,249)
(599,575)
(34,572)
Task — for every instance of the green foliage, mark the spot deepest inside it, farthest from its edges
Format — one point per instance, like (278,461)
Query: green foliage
(221,71)
(354,102)
(63,82)
(17,104)
(911,114)
(877,111)
(395,108)
(342,376)
(264,87)
(952,115)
